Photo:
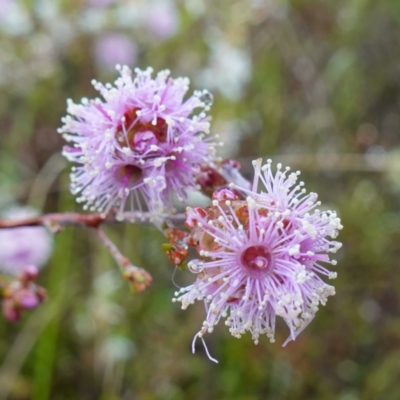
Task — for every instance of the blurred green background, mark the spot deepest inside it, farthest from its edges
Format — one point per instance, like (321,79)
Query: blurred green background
(314,84)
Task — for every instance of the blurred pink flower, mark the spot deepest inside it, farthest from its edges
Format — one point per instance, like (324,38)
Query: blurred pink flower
(162,19)
(4,7)
(114,48)
(23,246)
(22,294)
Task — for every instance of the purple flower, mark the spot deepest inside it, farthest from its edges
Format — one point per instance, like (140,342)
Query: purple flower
(23,246)
(140,144)
(261,257)
(114,48)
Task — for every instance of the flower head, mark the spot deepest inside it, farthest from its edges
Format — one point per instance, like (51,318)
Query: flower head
(23,246)
(261,257)
(139,144)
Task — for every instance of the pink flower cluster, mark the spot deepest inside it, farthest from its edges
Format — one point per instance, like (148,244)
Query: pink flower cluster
(261,256)
(138,145)
(262,247)
(22,294)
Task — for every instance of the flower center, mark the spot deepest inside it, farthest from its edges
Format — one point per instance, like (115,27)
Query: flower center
(257,260)
(140,135)
(129,174)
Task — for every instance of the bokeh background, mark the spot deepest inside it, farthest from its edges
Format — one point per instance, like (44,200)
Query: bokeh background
(314,84)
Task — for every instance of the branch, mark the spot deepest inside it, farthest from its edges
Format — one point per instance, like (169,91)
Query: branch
(138,277)
(57,220)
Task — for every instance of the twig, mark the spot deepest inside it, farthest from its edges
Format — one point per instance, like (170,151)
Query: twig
(119,258)
(138,277)
(57,220)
